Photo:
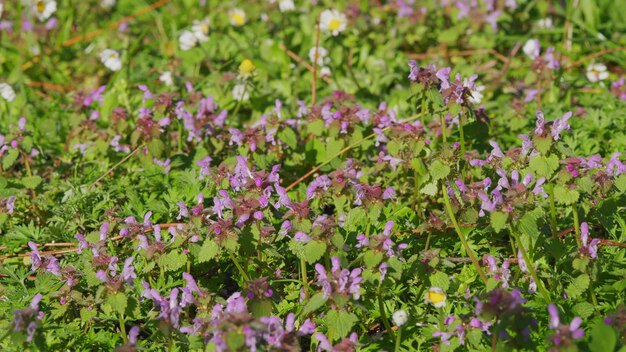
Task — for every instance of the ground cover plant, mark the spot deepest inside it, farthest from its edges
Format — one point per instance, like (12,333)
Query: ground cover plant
(291,175)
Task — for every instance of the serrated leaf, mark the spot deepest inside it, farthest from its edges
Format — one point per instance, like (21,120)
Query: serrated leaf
(313,251)
(118,302)
(9,158)
(173,261)
(577,286)
(340,323)
(429,189)
(372,258)
(544,166)
(440,279)
(31,182)
(583,309)
(498,220)
(565,196)
(315,302)
(439,170)
(356,217)
(288,136)
(208,251)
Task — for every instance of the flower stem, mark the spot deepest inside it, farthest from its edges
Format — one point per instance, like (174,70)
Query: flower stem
(443,128)
(383,315)
(530,265)
(552,211)
(576,225)
(462,135)
(469,251)
(398,339)
(123,327)
(239,267)
(305,279)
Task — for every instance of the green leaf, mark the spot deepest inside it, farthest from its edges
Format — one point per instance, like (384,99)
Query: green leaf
(372,258)
(603,338)
(10,158)
(288,136)
(429,189)
(31,182)
(172,261)
(340,323)
(577,286)
(118,302)
(498,220)
(564,195)
(260,307)
(208,251)
(544,166)
(439,170)
(156,148)
(315,302)
(583,309)
(440,279)
(313,251)
(355,218)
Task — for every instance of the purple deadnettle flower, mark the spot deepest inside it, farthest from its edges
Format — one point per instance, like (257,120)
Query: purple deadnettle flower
(27,319)
(339,281)
(588,248)
(564,335)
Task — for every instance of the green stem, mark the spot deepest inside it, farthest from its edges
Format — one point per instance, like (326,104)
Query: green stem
(383,315)
(462,135)
(443,128)
(398,339)
(239,267)
(552,211)
(427,241)
(239,101)
(576,225)
(469,251)
(530,265)
(305,279)
(123,328)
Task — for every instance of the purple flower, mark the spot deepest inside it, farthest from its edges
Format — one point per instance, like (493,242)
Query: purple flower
(340,281)
(560,125)
(588,248)
(564,335)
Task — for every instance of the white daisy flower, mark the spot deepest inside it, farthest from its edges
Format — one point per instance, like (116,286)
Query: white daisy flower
(200,30)
(240,93)
(237,17)
(322,56)
(187,40)
(7,92)
(111,59)
(166,78)
(532,48)
(286,5)
(325,71)
(333,21)
(107,4)
(597,72)
(43,9)
(436,297)
(400,317)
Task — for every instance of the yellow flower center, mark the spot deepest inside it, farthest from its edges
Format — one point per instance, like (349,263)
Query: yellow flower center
(41,6)
(436,297)
(246,68)
(238,19)
(204,28)
(334,24)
